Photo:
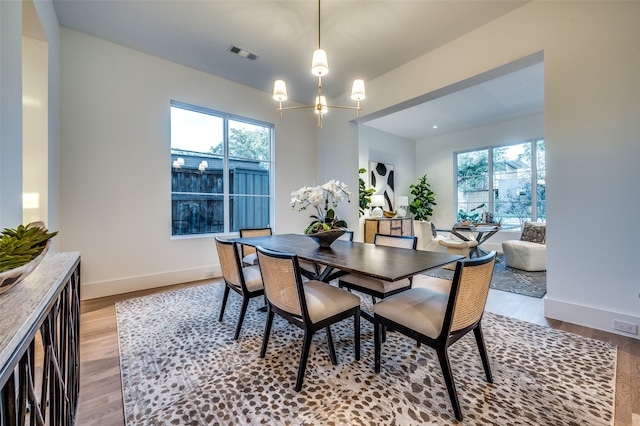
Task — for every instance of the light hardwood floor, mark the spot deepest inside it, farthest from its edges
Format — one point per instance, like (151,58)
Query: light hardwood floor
(101,390)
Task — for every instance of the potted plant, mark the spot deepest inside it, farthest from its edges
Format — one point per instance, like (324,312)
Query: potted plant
(422,209)
(364,194)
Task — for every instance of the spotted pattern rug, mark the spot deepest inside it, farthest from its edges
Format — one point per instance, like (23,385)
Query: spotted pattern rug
(180,366)
(505,278)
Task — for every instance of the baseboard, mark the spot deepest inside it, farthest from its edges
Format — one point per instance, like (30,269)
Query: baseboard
(145,282)
(590,317)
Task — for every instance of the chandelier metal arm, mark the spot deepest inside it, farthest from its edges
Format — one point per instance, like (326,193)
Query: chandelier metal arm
(318,24)
(281,108)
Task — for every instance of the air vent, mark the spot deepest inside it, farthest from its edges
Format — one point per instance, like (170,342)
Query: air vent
(243,52)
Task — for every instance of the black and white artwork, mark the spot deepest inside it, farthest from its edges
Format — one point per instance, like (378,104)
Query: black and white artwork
(382,180)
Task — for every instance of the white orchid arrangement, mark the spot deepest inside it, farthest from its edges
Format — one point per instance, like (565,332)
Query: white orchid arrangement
(324,198)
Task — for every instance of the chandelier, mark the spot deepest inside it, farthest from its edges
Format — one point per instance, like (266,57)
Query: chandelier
(319,68)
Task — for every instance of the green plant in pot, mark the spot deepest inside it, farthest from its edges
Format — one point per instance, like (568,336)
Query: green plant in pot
(422,209)
(423,199)
(364,194)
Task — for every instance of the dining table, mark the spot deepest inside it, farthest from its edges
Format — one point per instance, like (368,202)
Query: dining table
(343,257)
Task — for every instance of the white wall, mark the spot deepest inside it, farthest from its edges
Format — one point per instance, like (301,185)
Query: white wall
(10,114)
(435,156)
(115,163)
(48,25)
(35,135)
(592,104)
(38,21)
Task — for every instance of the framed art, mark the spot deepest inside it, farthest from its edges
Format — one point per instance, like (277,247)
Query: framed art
(381,177)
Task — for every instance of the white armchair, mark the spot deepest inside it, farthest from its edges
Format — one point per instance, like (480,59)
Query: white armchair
(529,253)
(427,241)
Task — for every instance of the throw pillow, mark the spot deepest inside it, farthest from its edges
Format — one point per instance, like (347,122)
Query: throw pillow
(534,233)
(433,230)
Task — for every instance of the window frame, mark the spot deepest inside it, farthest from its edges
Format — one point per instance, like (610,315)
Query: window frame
(226,184)
(491,177)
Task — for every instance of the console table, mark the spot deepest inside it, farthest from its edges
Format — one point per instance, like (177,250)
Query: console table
(40,344)
(393,226)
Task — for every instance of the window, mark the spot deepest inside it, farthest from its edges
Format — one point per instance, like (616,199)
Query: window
(506,183)
(221,171)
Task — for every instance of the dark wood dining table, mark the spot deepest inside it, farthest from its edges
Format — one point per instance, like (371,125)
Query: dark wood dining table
(343,257)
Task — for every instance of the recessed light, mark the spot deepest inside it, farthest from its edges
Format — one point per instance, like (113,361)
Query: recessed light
(435,126)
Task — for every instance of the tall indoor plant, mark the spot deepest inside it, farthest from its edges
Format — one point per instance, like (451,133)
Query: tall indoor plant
(364,194)
(423,199)
(422,209)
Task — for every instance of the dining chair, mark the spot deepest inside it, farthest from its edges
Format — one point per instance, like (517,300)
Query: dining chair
(311,306)
(244,280)
(249,256)
(439,316)
(312,270)
(374,287)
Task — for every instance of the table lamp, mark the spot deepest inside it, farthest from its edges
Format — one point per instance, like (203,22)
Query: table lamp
(377,201)
(402,201)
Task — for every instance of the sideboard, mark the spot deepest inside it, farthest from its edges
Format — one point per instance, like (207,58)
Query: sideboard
(40,344)
(393,226)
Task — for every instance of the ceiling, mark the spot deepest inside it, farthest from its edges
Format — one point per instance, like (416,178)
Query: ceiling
(363,39)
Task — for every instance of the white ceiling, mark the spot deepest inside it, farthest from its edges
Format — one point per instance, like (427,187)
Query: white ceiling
(363,39)
(499,95)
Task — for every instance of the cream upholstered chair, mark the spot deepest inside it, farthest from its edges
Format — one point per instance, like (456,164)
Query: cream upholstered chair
(246,281)
(462,248)
(440,315)
(249,256)
(310,269)
(428,238)
(311,306)
(374,287)
(529,253)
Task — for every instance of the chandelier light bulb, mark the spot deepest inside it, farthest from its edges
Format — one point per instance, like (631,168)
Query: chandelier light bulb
(357,91)
(280,90)
(319,64)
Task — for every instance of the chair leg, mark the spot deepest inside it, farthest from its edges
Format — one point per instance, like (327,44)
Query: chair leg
(243,311)
(377,342)
(483,352)
(448,379)
(356,333)
(267,332)
(303,359)
(332,349)
(225,296)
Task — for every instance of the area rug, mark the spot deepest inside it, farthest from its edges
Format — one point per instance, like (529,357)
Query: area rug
(180,366)
(533,284)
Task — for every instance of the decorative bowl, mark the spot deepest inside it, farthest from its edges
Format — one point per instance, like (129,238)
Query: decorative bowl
(389,214)
(10,278)
(326,238)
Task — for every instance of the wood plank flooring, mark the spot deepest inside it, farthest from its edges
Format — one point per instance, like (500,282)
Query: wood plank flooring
(100,384)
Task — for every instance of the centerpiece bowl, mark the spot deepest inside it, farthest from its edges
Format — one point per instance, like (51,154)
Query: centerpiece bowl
(324,239)
(10,278)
